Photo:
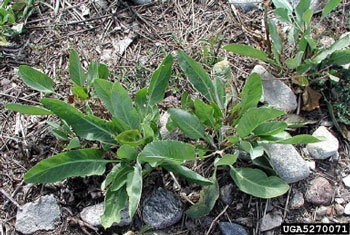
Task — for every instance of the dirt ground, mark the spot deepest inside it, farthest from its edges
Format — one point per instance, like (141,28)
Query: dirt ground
(152,31)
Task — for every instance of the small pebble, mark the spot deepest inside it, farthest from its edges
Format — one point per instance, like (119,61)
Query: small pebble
(270,221)
(339,200)
(339,209)
(297,200)
(325,220)
(321,211)
(319,192)
(347,209)
(346,181)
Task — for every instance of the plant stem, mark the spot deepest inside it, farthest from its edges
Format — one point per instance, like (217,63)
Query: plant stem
(267,33)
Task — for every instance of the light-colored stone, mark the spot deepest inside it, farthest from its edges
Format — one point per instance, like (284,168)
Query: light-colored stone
(245,5)
(162,123)
(270,221)
(121,45)
(326,148)
(321,211)
(92,215)
(297,200)
(339,200)
(325,220)
(326,41)
(319,192)
(347,209)
(311,164)
(287,162)
(339,209)
(43,214)
(346,181)
(275,92)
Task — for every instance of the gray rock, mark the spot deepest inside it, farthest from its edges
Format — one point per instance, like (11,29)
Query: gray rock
(92,215)
(43,214)
(121,45)
(275,92)
(245,5)
(270,221)
(228,228)
(287,162)
(319,192)
(321,211)
(323,149)
(297,200)
(347,209)
(226,193)
(346,181)
(162,209)
(325,220)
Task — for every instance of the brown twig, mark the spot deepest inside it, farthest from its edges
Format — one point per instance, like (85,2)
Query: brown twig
(215,220)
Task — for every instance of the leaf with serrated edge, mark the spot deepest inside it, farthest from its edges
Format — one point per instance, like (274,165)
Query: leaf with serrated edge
(84,162)
(255,182)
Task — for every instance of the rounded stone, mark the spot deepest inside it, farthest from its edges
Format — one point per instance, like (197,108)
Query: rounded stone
(319,192)
(228,228)
(162,209)
(297,200)
(326,148)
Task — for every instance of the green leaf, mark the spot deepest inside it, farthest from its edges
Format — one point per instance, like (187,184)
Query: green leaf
(175,151)
(134,188)
(197,75)
(186,101)
(86,126)
(120,177)
(220,93)
(114,203)
(254,117)
(252,92)
(282,14)
(74,143)
(28,109)
(270,128)
(141,101)
(103,71)
(255,182)
(307,15)
(118,102)
(93,72)
(233,139)
(36,79)
(338,45)
(276,39)
(276,137)
(340,57)
(249,51)
(206,203)
(127,152)
(80,92)
(330,6)
(110,176)
(283,4)
(300,9)
(204,112)
(84,162)
(188,123)
(293,63)
(159,80)
(299,139)
(130,137)
(59,134)
(226,160)
(76,72)
(186,173)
